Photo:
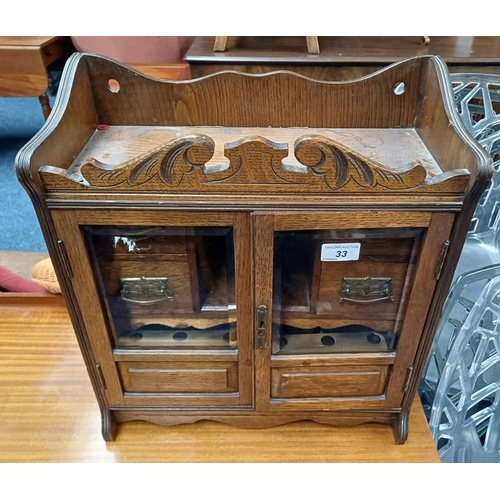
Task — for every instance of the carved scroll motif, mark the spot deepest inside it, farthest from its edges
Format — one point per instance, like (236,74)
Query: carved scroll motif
(164,166)
(341,167)
(167,164)
(255,164)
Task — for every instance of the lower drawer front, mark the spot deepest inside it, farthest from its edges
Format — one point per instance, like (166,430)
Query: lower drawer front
(342,381)
(150,377)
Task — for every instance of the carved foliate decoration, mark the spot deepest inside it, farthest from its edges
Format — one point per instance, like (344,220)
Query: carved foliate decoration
(255,164)
(166,164)
(253,161)
(340,166)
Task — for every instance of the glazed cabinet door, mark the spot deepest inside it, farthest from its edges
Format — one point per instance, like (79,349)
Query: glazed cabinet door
(341,302)
(164,301)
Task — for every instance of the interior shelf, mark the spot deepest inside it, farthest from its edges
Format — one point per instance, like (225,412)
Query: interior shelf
(221,336)
(353,338)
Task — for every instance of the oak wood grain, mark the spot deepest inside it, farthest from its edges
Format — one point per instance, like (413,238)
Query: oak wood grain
(195,401)
(289,221)
(244,280)
(189,160)
(327,72)
(339,359)
(263,244)
(184,103)
(187,103)
(240,202)
(49,414)
(87,292)
(325,404)
(368,380)
(164,355)
(395,148)
(140,376)
(77,118)
(144,218)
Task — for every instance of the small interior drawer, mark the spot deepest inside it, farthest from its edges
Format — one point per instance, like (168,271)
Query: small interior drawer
(324,381)
(161,377)
(176,272)
(331,284)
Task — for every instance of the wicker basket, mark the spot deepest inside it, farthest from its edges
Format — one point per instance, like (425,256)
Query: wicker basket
(43,274)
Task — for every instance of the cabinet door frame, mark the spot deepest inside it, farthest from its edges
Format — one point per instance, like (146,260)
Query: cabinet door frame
(438,227)
(68,225)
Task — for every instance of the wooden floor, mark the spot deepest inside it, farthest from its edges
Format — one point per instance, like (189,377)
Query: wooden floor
(48,414)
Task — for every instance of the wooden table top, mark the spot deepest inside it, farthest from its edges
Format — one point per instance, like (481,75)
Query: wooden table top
(48,413)
(24,61)
(344,49)
(26,41)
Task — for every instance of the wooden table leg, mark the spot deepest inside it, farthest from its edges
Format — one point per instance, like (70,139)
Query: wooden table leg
(44,101)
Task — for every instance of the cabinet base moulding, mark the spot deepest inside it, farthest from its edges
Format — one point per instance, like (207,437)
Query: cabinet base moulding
(255,420)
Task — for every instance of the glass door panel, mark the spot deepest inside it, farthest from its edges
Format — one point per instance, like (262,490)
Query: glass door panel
(166,287)
(341,291)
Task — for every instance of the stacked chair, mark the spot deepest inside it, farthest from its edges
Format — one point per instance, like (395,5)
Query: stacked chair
(460,388)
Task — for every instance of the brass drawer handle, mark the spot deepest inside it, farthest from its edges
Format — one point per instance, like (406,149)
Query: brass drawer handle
(366,290)
(145,290)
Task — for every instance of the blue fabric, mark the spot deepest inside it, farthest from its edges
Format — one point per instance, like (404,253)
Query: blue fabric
(20,119)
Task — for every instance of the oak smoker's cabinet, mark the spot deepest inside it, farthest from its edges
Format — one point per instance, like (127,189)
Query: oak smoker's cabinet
(254,249)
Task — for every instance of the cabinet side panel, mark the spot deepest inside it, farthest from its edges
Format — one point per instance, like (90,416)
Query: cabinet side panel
(453,147)
(70,125)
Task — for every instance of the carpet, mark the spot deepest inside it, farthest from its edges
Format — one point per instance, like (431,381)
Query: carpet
(20,119)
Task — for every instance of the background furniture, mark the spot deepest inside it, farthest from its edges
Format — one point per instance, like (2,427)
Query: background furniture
(461,384)
(341,58)
(148,50)
(465,407)
(165,71)
(311,41)
(227,258)
(23,65)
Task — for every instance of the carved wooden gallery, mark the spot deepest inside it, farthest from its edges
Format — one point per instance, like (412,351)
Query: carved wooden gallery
(254,250)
